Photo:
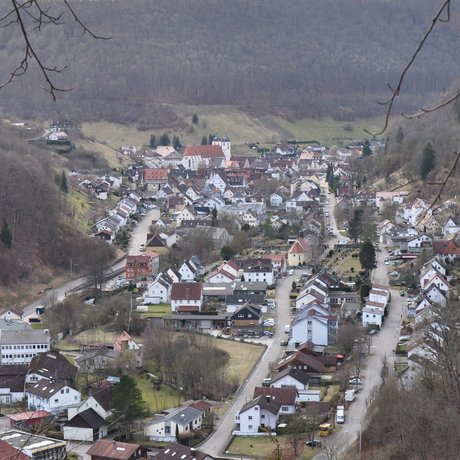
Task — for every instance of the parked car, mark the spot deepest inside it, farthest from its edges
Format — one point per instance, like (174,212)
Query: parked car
(373,331)
(313,443)
(355,381)
(268,333)
(290,272)
(142,248)
(269,323)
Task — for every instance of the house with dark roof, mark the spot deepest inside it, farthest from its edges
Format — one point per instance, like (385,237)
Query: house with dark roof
(286,396)
(99,401)
(142,266)
(186,297)
(87,426)
(107,449)
(247,321)
(12,383)
(298,379)
(183,420)
(158,291)
(176,451)
(259,413)
(51,396)
(299,360)
(51,366)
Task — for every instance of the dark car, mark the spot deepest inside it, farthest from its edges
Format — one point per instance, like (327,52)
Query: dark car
(313,443)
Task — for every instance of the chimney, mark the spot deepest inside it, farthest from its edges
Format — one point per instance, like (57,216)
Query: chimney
(268,398)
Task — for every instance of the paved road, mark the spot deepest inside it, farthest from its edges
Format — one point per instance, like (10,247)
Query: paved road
(53,296)
(219,440)
(382,348)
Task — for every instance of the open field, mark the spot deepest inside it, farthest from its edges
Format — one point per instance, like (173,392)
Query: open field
(114,158)
(98,336)
(240,127)
(155,311)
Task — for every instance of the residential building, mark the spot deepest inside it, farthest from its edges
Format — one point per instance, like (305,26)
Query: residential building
(20,445)
(142,266)
(247,320)
(298,379)
(176,451)
(51,366)
(182,421)
(186,297)
(108,449)
(51,396)
(86,426)
(12,383)
(19,347)
(158,291)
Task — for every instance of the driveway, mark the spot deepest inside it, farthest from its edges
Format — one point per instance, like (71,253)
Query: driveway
(220,439)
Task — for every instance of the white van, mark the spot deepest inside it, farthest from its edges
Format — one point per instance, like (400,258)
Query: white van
(287,328)
(340,415)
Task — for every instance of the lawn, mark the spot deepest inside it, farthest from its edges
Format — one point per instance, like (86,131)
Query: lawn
(243,357)
(240,127)
(155,311)
(262,447)
(98,336)
(157,400)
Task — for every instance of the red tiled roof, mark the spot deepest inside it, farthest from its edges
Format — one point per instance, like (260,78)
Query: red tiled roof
(188,308)
(8,452)
(186,291)
(205,151)
(155,174)
(107,448)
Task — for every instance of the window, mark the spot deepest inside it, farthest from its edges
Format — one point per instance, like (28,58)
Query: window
(250,427)
(167,429)
(284,408)
(67,390)
(262,416)
(250,417)
(56,400)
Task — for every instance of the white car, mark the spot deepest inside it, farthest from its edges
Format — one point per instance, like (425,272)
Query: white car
(290,272)
(142,248)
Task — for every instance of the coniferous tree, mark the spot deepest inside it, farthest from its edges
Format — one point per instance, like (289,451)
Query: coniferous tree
(367,148)
(127,403)
(5,235)
(367,256)
(152,141)
(195,119)
(176,142)
(428,160)
(399,136)
(164,139)
(204,140)
(63,183)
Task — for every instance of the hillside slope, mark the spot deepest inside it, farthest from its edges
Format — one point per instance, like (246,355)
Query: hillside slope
(294,58)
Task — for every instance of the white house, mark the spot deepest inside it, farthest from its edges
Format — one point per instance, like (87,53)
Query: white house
(185,214)
(158,291)
(451,226)
(259,272)
(419,242)
(186,419)
(438,280)
(314,324)
(415,210)
(372,316)
(99,401)
(51,396)
(276,200)
(220,276)
(19,347)
(186,297)
(188,271)
(436,294)
(296,378)
(379,295)
(86,426)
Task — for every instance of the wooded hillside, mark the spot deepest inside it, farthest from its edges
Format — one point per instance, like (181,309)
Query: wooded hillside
(37,233)
(295,58)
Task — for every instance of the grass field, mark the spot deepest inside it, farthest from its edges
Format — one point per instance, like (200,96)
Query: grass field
(243,357)
(98,336)
(157,400)
(155,311)
(240,127)
(260,448)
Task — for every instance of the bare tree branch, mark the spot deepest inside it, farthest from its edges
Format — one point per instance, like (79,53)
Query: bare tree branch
(444,9)
(39,17)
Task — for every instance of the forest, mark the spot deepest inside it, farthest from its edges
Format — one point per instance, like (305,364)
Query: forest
(37,233)
(296,58)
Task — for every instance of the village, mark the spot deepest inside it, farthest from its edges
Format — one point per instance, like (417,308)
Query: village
(283,252)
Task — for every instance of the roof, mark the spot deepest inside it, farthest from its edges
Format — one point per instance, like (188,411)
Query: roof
(29,415)
(13,377)
(45,389)
(8,452)
(177,451)
(53,365)
(200,405)
(24,336)
(186,291)
(186,415)
(123,337)
(303,359)
(205,151)
(107,448)
(104,396)
(29,442)
(87,419)
(271,406)
(297,374)
(281,395)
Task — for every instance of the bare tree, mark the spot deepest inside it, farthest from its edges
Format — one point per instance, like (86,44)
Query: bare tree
(29,16)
